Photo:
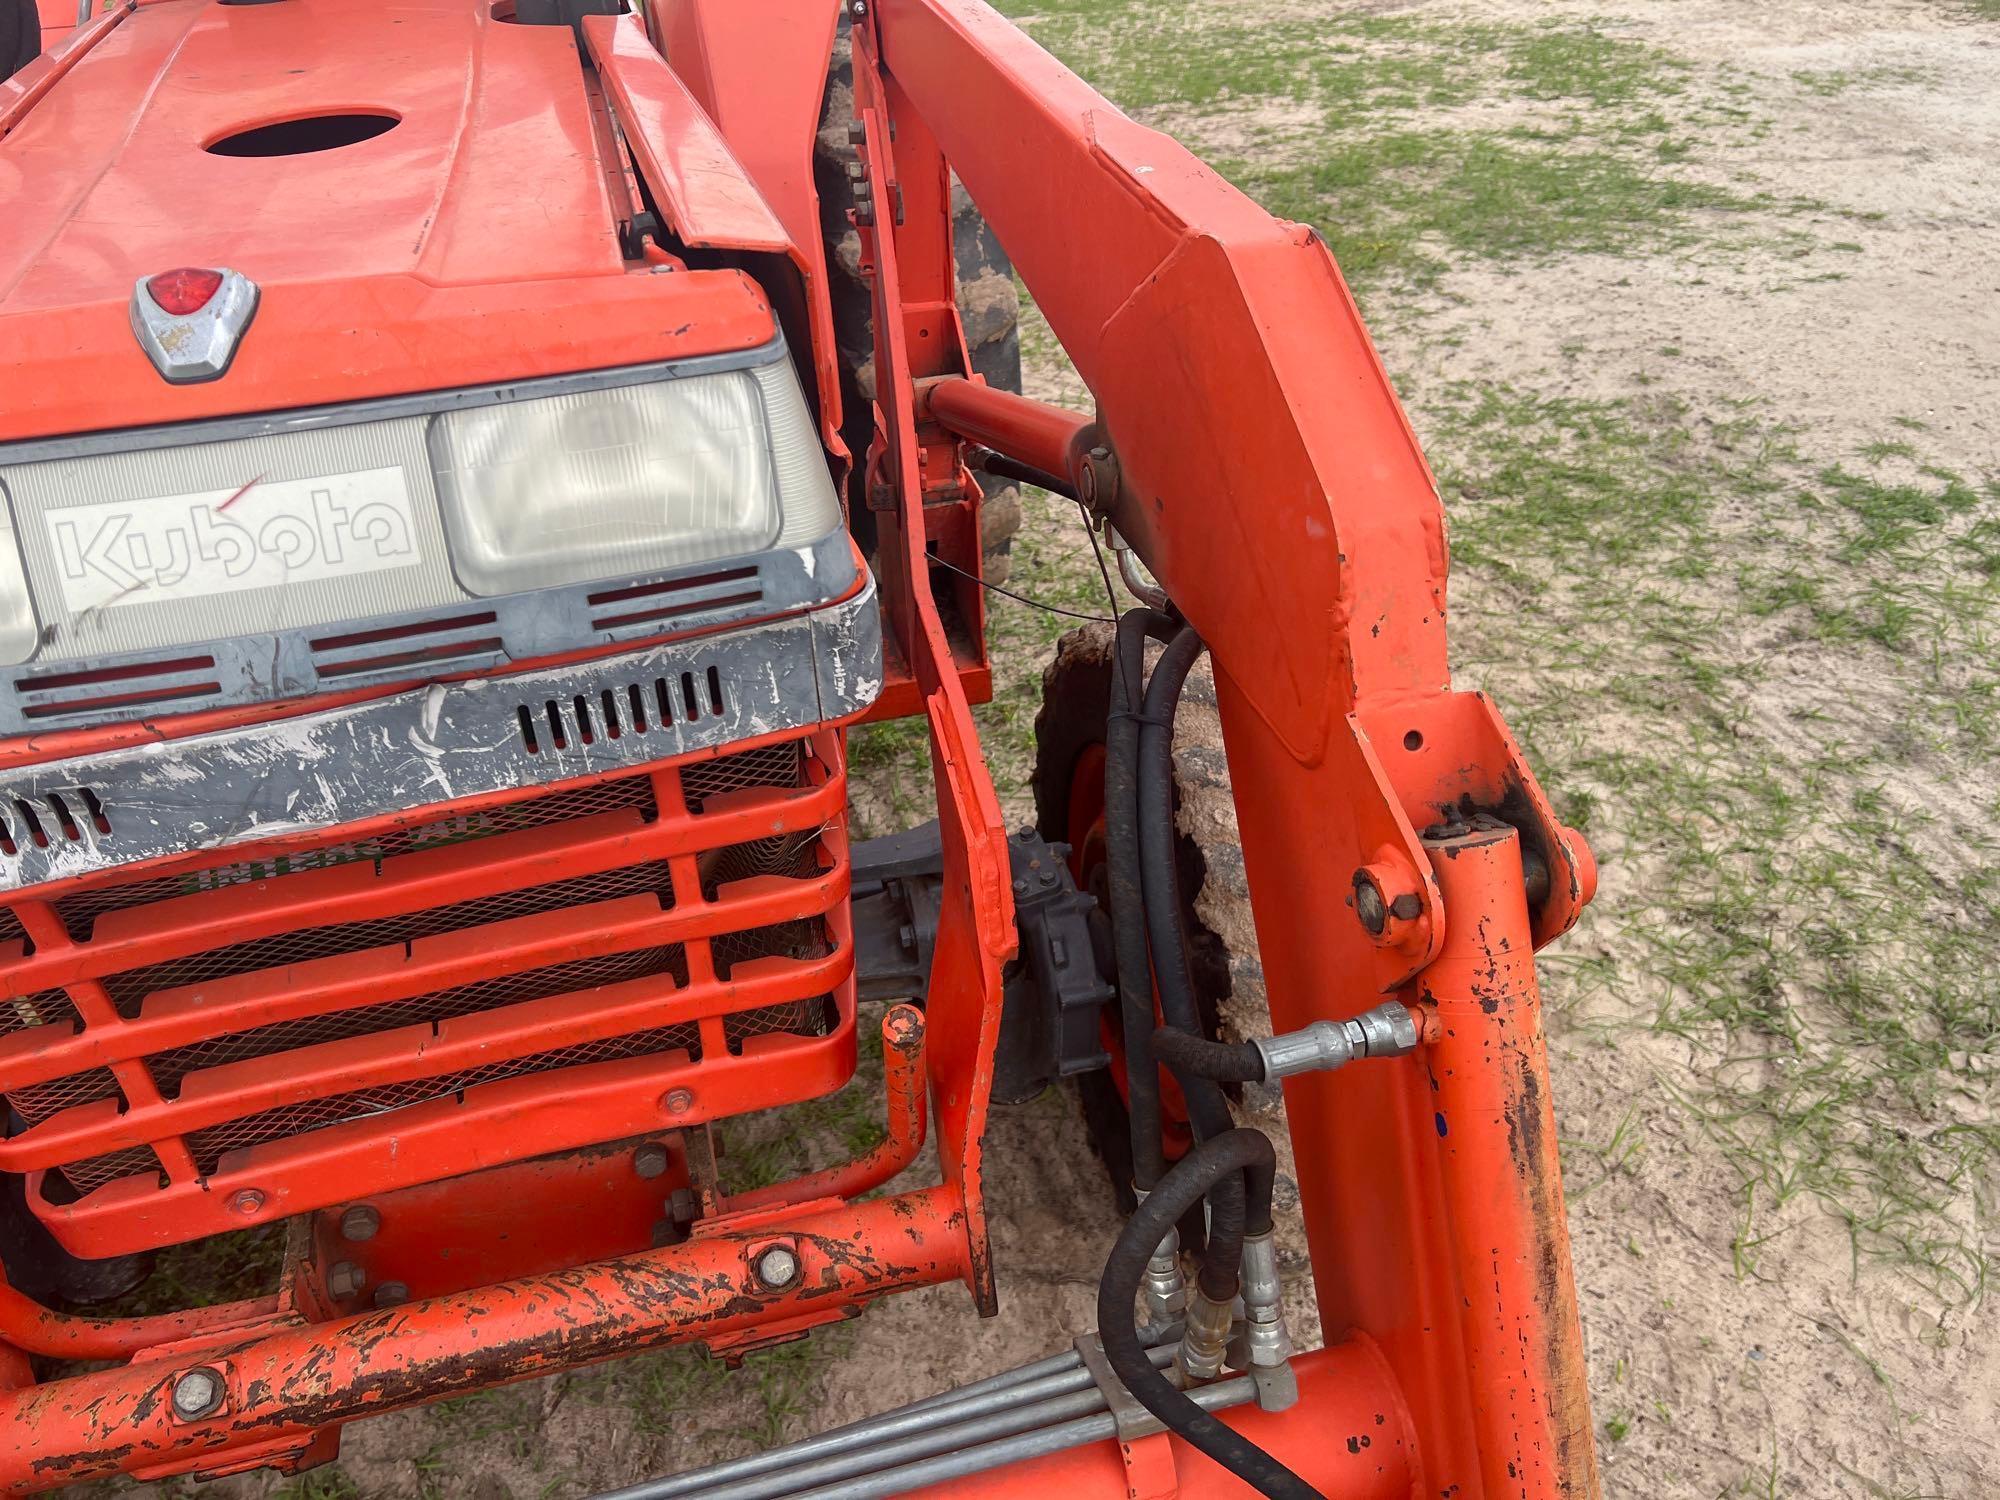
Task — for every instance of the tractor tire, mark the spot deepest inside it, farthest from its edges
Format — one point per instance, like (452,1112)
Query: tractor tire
(1068,784)
(989,310)
(1228,974)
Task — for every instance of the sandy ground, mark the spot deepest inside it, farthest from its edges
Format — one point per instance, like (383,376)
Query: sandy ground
(1803,1373)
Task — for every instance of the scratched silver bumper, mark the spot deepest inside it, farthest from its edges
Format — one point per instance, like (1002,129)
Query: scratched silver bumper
(438,743)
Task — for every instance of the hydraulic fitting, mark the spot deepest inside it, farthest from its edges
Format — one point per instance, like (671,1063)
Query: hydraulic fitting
(1265,1340)
(1165,1286)
(1388,1030)
(1205,1336)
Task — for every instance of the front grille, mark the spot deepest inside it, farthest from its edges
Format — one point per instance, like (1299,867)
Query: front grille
(379,985)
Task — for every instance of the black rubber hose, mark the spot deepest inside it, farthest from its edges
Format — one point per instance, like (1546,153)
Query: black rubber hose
(1128,911)
(1232,1156)
(1219,1062)
(1159,873)
(986,461)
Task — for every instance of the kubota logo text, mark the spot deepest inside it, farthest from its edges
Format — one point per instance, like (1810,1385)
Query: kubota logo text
(263,534)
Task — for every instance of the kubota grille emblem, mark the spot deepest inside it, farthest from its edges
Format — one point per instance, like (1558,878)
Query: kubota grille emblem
(189,321)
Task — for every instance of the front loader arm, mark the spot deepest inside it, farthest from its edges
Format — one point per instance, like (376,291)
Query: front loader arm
(1261,465)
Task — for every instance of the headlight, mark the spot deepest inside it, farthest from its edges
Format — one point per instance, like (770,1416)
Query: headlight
(633,479)
(17,606)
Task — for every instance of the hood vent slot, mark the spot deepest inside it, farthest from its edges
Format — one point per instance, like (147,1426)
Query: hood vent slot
(178,680)
(462,641)
(559,724)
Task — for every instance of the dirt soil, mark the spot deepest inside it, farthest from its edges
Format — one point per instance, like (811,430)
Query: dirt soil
(1743,1340)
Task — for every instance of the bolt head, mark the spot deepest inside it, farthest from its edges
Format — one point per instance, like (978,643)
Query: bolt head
(778,1267)
(391,1294)
(677,1101)
(198,1393)
(1368,903)
(650,1160)
(360,1223)
(247,1200)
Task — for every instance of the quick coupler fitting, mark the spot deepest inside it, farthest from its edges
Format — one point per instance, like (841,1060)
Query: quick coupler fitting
(1205,1336)
(1388,1030)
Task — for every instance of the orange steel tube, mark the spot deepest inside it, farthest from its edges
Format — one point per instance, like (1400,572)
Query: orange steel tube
(1349,1437)
(27,1325)
(292,1382)
(1497,1140)
(904,1077)
(1019,426)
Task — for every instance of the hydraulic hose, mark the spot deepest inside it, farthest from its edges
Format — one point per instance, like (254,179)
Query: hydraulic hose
(1159,875)
(1170,974)
(1234,1156)
(1128,915)
(1197,1056)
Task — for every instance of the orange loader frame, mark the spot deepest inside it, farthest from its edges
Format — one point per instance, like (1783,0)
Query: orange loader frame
(1248,446)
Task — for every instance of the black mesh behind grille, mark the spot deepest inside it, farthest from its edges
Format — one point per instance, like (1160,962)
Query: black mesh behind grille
(80,912)
(170,1069)
(129,988)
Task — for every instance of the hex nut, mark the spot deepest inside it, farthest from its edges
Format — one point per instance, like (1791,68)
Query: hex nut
(391,1294)
(345,1279)
(650,1160)
(360,1223)
(777,1267)
(247,1200)
(198,1393)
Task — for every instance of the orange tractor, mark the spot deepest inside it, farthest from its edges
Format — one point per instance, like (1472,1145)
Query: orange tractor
(467,465)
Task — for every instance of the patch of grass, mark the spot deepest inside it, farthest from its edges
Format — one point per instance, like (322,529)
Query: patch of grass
(768,1146)
(225,1268)
(1819,937)
(1412,202)
(1587,125)
(327,1483)
(682,1393)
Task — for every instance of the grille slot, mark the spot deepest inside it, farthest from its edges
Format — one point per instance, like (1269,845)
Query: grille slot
(129,988)
(781,765)
(81,911)
(44,1008)
(68,816)
(793,855)
(171,1069)
(77,1178)
(558,724)
(209,1146)
(40,1101)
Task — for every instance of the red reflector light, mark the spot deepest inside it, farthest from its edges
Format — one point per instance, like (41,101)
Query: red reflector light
(183,291)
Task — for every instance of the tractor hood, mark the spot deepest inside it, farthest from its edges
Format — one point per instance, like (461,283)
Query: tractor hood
(414,189)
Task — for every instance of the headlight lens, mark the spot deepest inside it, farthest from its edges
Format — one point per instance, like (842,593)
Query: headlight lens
(633,479)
